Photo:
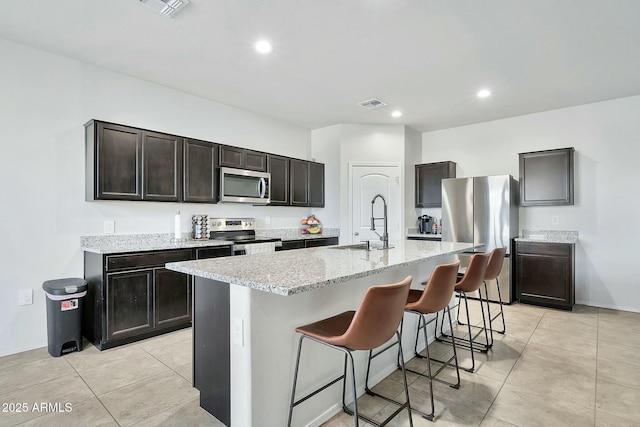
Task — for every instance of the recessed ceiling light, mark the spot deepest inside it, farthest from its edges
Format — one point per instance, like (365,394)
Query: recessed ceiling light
(484,93)
(263,46)
(396,113)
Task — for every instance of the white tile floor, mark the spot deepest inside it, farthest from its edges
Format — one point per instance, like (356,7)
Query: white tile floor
(552,368)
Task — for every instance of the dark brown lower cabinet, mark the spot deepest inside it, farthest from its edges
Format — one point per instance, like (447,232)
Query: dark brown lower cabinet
(131,296)
(308,243)
(129,303)
(172,295)
(545,274)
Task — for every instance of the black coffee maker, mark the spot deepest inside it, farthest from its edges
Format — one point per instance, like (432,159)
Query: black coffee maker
(425,222)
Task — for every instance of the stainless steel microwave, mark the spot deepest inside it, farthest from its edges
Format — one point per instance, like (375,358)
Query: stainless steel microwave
(244,186)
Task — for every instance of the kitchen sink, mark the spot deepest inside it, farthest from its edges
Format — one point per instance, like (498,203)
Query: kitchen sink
(357,247)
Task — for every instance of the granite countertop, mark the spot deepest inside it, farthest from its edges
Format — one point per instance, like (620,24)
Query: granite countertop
(548,236)
(120,243)
(292,272)
(295,234)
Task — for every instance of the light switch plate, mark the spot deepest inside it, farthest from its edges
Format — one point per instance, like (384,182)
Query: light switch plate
(555,220)
(25,296)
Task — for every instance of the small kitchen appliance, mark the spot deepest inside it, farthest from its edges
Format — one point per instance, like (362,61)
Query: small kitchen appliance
(425,224)
(244,186)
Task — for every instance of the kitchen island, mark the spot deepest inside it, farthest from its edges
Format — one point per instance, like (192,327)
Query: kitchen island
(246,310)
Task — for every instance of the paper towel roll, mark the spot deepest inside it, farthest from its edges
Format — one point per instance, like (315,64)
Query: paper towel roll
(177,230)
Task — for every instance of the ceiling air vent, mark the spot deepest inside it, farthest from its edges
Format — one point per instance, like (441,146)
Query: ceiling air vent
(372,104)
(166,7)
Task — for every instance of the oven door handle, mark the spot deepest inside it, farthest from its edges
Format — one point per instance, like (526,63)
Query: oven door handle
(262,187)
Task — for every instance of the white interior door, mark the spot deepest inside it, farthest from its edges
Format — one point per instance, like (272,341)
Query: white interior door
(366,182)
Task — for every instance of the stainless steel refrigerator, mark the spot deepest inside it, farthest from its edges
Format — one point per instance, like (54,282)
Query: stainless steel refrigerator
(483,210)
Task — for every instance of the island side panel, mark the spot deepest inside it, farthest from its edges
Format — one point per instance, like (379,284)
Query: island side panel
(211,345)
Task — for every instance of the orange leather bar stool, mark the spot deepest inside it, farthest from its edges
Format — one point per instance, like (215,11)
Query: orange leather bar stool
(374,323)
(435,297)
(471,281)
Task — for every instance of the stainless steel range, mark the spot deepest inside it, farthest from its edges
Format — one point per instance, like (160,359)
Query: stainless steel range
(240,231)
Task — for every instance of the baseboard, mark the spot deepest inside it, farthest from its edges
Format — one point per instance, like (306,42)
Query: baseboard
(609,306)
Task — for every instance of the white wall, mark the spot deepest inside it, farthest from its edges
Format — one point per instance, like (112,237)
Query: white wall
(45,101)
(325,148)
(607,206)
(412,156)
(366,143)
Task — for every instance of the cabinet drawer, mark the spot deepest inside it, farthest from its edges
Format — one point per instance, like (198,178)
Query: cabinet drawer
(291,244)
(544,248)
(147,259)
(214,252)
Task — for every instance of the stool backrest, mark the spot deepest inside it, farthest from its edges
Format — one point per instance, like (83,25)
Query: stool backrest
(494,265)
(377,317)
(475,274)
(437,294)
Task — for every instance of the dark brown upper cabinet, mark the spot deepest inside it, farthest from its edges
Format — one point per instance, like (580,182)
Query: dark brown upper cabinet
(125,163)
(113,162)
(128,163)
(278,167)
(299,180)
(162,167)
(429,178)
(316,184)
(546,177)
(200,177)
(240,158)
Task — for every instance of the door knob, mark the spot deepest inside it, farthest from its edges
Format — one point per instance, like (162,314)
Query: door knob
(356,234)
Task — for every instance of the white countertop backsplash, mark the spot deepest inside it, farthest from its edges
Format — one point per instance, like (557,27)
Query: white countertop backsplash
(548,236)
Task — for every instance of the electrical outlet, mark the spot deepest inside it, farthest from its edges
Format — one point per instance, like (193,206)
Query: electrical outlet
(267,219)
(109,227)
(25,296)
(238,331)
(555,220)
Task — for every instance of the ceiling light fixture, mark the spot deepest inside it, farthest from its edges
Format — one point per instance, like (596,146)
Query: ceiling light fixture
(263,46)
(166,7)
(396,113)
(483,93)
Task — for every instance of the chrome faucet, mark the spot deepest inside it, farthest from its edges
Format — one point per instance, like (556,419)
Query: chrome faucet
(385,234)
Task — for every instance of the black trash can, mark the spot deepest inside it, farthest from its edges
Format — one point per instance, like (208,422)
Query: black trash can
(64,314)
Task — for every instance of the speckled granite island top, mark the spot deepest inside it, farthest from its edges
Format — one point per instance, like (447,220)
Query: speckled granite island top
(302,270)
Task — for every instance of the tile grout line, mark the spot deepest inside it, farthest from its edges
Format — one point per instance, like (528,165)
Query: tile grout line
(94,394)
(510,370)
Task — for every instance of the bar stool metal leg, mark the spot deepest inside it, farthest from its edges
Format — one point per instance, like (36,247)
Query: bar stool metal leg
(501,313)
(404,378)
(295,403)
(430,375)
